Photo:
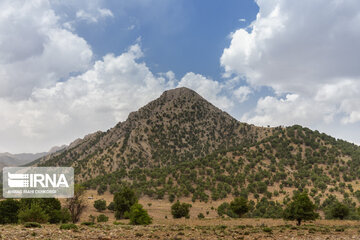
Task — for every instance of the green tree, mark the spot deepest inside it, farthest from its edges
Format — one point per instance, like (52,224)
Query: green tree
(138,215)
(179,210)
(111,206)
(239,206)
(123,201)
(9,209)
(339,210)
(33,214)
(300,208)
(51,206)
(100,205)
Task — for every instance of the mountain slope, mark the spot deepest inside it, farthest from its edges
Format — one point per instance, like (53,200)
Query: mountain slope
(180,145)
(180,125)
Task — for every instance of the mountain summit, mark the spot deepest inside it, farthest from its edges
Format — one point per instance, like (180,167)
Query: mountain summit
(182,145)
(179,125)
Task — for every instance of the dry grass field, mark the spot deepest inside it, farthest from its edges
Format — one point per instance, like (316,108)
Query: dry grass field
(165,227)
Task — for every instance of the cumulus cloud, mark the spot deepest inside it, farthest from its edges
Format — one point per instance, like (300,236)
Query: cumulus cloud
(209,89)
(308,49)
(35,51)
(95,100)
(94,15)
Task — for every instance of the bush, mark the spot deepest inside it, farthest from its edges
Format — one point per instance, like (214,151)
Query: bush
(50,206)
(9,209)
(102,218)
(139,216)
(68,226)
(179,210)
(339,210)
(239,206)
(123,201)
(301,208)
(34,214)
(32,225)
(171,197)
(201,216)
(267,230)
(111,206)
(100,205)
(60,216)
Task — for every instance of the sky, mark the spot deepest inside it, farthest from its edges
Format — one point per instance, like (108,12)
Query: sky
(70,68)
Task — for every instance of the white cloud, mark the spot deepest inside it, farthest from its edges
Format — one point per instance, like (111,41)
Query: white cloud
(93,15)
(35,51)
(207,88)
(242,20)
(242,93)
(307,49)
(96,99)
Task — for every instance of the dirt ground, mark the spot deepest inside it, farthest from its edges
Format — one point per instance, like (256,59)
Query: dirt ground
(165,227)
(192,229)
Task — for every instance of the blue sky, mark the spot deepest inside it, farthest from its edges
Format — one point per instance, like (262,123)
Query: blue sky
(70,68)
(181,36)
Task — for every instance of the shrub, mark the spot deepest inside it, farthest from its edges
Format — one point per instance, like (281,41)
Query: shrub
(59,216)
(34,214)
(111,206)
(32,225)
(102,218)
(139,216)
(68,226)
(9,209)
(179,210)
(100,205)
(201,216)
(339,210)
(50,206)
(123,201)
(171,197)
(301,208)
(267,230)
(239,206)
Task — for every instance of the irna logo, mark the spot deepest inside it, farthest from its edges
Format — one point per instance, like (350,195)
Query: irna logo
(38,182)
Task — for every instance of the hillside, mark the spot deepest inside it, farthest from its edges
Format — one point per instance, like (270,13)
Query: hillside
(180,145)
(180,125)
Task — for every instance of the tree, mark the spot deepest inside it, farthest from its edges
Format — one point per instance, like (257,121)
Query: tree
(301,208)
(102,218)
(339,210)
(138,215)
(51,207)
(76,204)
(33,214)
(123,201)
(111,206)
(100,205)
(179,210)
(9,209)
(239,206)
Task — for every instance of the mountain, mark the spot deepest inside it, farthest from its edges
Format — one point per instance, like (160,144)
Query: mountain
(181,145)
(8,159)
(11,160)
(180,125)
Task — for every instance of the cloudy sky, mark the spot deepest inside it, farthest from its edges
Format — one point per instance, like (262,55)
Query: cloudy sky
(69,68)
